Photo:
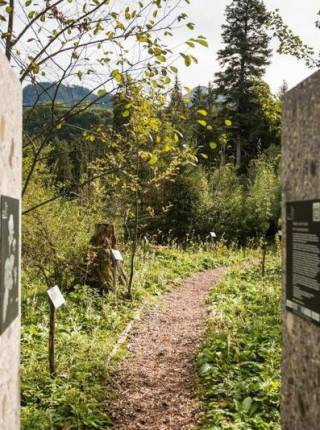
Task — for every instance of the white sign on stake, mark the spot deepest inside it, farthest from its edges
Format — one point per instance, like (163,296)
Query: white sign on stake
(56,297)
(117,255)
(213,235)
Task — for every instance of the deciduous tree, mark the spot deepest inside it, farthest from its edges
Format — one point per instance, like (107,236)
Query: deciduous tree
(96,42)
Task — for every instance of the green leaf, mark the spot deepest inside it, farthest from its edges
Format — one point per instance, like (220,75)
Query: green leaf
(190,44)
(102,92)
(202,112)
(205,368)
(161,58)
(142,38)
(202,42)
(153,160)
(202,122)
(246,404)
(117,75)
(187,59)
(213,145)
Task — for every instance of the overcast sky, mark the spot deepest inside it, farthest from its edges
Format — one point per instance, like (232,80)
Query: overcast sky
(208,15)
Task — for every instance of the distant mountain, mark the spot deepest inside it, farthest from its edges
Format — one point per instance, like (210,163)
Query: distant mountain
(44,92)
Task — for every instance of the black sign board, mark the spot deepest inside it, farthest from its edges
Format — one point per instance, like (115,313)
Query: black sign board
(303,259)
(9,260)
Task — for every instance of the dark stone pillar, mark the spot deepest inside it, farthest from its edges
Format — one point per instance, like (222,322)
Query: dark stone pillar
(301,181)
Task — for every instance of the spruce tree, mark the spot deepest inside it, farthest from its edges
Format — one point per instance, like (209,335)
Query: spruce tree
(243,58)
(178,111)
(177,108)
(210,97)
(202,120)
(284,88)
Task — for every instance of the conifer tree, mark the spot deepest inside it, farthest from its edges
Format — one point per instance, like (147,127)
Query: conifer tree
(284,88)
(243,58)
(177,108)
(199,99)
(210,97)
(178,112)
(201,124)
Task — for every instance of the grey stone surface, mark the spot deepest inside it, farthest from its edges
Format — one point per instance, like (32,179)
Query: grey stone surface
(10,184)
(301,181)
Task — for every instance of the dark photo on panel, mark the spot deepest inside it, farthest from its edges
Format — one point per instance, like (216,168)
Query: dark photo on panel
(9,282)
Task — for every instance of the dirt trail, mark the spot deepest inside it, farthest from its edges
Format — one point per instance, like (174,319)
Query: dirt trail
(155,386)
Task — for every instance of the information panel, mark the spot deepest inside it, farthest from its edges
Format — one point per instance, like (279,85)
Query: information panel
(303,259)
(9,262)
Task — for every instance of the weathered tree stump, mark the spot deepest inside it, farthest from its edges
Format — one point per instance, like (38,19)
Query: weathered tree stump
(100,263)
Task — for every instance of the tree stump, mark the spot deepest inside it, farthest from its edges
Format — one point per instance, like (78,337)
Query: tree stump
(100,262)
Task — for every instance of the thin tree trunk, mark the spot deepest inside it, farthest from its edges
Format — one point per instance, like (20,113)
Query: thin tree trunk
(10,30)
(263,262)
(134,247)
(223,156)
(238,152)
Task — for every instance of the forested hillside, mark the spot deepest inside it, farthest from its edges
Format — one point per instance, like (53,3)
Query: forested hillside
(193,153)
(69,95)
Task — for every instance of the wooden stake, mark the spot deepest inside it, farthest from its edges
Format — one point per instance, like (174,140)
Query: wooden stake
(52,364)
(144,249)
(114,275)
(263,263)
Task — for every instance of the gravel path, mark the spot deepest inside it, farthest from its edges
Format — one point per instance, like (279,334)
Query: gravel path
(154,388)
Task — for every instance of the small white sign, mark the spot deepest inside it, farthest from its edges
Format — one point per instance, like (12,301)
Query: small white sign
(117,255)
(213,235)
(56,297)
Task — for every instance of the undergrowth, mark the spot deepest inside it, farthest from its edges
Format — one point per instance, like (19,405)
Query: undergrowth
(88,327)
(239,364)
